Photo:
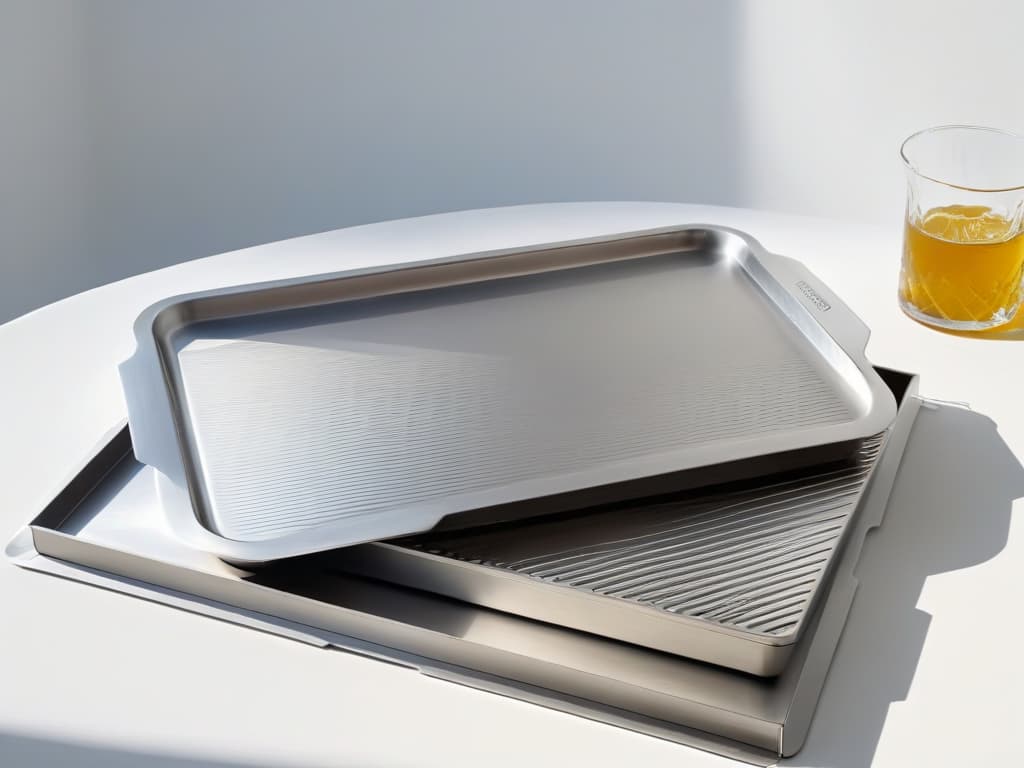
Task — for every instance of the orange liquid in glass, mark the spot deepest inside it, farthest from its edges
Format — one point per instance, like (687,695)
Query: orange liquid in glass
(962,263)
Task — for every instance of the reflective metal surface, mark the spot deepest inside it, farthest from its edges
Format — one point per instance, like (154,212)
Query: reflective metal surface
(727,577)
(108,528)
(310,414)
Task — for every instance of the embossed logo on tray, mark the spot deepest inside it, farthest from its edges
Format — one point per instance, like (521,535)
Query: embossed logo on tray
(815,297)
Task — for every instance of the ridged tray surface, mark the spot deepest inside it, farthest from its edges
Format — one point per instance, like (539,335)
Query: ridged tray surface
(749,559)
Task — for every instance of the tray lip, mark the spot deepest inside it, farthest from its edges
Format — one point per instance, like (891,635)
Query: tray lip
(774,641)
(159,411)
(691,623)
(695,624)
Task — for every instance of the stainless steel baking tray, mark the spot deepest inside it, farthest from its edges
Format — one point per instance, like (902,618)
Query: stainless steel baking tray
(106,528)
(728,577)
(310,414)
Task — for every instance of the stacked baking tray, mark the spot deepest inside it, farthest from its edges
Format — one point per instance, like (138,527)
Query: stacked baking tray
(660,447)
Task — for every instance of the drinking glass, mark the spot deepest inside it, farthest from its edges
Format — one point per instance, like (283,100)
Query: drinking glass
(963,246)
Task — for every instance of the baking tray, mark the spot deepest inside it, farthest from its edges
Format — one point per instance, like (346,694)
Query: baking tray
(309,414)
(106,527)
(727,577)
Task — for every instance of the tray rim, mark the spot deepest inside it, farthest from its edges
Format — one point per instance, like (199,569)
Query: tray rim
(41,546)
(163,437)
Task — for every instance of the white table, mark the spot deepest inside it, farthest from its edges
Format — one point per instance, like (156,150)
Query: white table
(927,672)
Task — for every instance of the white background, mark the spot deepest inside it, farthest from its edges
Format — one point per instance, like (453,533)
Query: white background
(139,134)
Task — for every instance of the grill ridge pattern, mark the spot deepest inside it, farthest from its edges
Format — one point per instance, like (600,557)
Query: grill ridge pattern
(748,559)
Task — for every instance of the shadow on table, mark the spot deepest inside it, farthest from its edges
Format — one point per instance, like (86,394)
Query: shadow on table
(18,750)
(26,751)
(950,509)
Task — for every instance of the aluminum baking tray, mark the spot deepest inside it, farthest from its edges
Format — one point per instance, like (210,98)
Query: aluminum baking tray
(308,414)
(727,577)
(106,527)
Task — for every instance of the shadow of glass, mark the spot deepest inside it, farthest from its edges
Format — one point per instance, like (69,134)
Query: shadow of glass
(950,509)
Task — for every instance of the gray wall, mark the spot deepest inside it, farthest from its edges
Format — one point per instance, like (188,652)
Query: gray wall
(139,133)
(205,125)
(44,157)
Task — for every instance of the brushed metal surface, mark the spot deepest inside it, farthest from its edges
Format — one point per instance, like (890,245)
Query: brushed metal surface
(728,578)
(381,404)
(107,528)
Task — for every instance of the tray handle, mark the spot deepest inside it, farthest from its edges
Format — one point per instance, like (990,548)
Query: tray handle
(817,302)
(150,413)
